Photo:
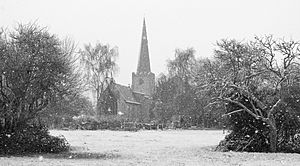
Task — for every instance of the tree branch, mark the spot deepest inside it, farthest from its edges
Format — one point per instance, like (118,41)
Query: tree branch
(236,111)
(241,105)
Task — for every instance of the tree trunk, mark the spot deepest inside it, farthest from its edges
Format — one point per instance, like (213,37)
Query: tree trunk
(98,108)
(273,135)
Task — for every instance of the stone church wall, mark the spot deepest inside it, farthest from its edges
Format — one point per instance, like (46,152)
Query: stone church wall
(143,83)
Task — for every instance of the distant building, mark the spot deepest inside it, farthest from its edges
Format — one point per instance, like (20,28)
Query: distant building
(132,102)
(144,80)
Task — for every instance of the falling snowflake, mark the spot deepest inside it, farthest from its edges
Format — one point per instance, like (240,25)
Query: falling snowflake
(41,158)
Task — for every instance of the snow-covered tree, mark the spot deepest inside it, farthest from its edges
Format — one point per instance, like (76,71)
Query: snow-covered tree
(249,70)
(36,68)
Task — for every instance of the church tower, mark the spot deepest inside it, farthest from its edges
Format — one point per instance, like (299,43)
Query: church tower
(143,80)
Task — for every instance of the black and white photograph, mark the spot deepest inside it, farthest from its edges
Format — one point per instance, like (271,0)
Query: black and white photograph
(149,82)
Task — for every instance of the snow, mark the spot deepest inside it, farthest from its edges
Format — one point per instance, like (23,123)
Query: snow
(172,147)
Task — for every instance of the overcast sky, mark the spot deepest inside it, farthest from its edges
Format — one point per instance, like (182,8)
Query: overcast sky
(171,24)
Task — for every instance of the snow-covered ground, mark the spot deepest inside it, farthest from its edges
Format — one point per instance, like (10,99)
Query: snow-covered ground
(172,147)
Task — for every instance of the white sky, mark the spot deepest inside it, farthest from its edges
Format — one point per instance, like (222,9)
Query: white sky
(171,24)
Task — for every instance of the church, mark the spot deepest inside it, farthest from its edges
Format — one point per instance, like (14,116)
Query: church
(133,103)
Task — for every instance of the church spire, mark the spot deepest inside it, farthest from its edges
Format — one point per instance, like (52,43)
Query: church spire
(144,61)
(143,80)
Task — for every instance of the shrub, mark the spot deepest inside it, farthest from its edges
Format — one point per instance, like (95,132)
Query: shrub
(109,122)
(31,139)
(86,122)
(252,135)
(290,146)
(257,142)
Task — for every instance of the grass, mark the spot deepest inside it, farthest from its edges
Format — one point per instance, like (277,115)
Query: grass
(80,155)
(174,147)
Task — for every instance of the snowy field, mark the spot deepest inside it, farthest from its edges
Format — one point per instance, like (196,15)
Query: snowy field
(173,147)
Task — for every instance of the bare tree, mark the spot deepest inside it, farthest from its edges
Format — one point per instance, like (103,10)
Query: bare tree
(181,67)
(99,67)
(255,64)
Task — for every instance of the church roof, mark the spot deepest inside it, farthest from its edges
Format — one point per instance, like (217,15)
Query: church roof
(126,93)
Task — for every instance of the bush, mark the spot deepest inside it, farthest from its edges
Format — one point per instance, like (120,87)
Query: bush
(85,122)
(252,135)
(290,146)
(247,133)
(110,122)
(31,139)
(257,142)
